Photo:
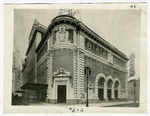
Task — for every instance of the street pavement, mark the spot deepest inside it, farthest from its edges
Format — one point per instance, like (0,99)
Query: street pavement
(103,104)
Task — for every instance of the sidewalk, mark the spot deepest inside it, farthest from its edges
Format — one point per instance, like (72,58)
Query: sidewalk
(103,104)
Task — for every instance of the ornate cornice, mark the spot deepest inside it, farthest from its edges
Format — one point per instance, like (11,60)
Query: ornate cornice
(63,45)
(36,27)
(61,73)
(65,19)
(98,58)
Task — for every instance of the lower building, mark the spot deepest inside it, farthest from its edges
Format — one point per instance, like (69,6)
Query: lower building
(134,90)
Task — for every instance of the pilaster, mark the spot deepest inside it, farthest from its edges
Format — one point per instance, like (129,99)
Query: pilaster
(113,91)
(119,91)
(80,73)
(75,72)
(49,75)
(126,87)
(105,91)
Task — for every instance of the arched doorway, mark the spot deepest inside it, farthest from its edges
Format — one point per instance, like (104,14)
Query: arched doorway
(109,89)
(101,88)
(116,89)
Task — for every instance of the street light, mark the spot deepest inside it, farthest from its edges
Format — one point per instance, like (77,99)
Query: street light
(134,91)
(87,72)
(133,79)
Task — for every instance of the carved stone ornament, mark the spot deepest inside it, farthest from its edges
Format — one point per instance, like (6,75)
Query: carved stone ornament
(62,35)
(61,72)
(110,57)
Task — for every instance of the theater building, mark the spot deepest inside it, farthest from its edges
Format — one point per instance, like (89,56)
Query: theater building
(57,56)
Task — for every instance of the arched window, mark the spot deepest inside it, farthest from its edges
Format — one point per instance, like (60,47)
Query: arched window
(70,39)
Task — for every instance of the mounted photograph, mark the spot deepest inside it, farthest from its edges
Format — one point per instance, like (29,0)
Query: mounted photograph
(78,57)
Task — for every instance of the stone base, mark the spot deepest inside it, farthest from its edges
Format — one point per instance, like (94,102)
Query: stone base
(105,99)
(123,99)
(52,101)
(113,99)
(72,101)
(79,101)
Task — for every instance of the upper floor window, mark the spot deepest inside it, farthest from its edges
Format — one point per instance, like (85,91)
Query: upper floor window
(42,52)
(92,47)
(119,62)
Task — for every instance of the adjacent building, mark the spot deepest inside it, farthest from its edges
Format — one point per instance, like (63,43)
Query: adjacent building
(55,63)
(16,72)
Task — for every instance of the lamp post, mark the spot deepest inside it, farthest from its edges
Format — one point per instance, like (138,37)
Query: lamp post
(133,79)
(87,72)
(134,84)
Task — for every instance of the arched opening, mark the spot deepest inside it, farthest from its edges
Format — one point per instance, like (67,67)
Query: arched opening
(101,88)
(109,89)
(116,89)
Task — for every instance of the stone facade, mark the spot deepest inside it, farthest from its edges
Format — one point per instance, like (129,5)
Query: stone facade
(63,52)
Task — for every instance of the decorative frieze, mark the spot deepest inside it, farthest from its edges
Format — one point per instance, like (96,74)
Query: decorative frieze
(119,62)
(103,53)
(61,73)
(94,48)
(63,34)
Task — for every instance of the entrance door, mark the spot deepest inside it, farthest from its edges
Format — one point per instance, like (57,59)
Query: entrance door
(116,94)
(61,94)
(100,94)
(109,94)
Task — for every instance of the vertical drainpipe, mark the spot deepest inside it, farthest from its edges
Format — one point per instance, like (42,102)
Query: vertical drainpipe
(127,79)
(35,67)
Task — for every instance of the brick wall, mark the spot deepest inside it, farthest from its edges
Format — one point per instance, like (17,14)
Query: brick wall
(63,59)
(131,90)
(42,72)
(98,67)
(30,66)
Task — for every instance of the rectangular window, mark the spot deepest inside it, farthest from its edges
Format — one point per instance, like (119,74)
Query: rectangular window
(54,37)
(70,36)
(42,52)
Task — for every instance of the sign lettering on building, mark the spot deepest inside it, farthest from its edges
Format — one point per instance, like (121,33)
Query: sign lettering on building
(71,12)
(132,65)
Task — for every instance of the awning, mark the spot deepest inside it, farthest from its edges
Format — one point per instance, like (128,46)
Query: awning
(132,78)
(34,86)
(20,91)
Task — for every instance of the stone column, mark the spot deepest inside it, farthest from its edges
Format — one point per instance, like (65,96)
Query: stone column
(105,91)
(96,88)
(126,87)
(119,91)
(80,73)
(49,75)
(113,91)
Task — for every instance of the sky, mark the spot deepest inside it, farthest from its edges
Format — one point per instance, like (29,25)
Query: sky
(121,28)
